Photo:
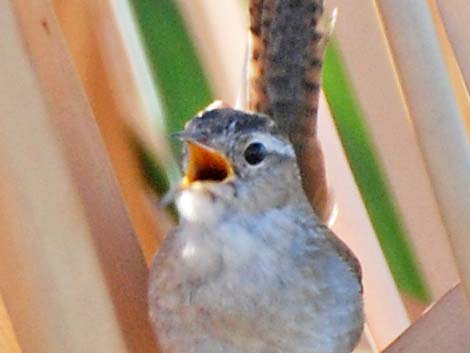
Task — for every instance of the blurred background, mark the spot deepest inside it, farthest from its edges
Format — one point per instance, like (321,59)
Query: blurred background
(148,66)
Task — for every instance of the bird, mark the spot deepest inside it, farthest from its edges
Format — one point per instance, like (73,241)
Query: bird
(250,268)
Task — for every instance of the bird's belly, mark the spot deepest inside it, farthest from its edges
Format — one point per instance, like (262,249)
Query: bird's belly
(265,305)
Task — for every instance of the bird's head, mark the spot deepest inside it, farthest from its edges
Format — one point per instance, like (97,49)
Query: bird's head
(237,159)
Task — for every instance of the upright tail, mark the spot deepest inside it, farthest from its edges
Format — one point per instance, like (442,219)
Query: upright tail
(288,41)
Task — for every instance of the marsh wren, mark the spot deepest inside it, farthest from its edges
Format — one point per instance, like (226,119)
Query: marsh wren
(250,268)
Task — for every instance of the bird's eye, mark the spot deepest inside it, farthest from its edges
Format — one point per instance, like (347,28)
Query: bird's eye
(255,153)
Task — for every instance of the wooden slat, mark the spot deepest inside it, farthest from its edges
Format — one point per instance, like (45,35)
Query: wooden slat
(219,31)
(72,274)
(385,313)
(454,14)
(443,328)
(128,71)
(8,341)
(436,116)
(102,63)
(370,67)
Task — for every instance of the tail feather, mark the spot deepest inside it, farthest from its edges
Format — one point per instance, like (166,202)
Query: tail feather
(288,40)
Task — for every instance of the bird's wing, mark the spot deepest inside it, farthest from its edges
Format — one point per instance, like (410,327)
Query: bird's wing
(343,250)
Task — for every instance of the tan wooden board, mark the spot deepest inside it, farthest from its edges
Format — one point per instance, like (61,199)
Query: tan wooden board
(72,274)
(90,31)
(443,328)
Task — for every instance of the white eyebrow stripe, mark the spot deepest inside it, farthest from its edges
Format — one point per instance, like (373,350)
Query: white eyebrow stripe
(273,144)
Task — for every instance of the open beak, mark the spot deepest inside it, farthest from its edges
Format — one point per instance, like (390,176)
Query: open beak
(205,164)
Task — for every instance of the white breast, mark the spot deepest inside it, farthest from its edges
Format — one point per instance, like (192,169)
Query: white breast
(196,206)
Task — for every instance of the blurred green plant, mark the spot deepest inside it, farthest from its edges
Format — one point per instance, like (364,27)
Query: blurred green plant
(369,177)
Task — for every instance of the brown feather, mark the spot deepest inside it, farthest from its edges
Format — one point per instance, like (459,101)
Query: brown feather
(287,48)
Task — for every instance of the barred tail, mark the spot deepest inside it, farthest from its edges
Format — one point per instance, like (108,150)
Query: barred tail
(287,49)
